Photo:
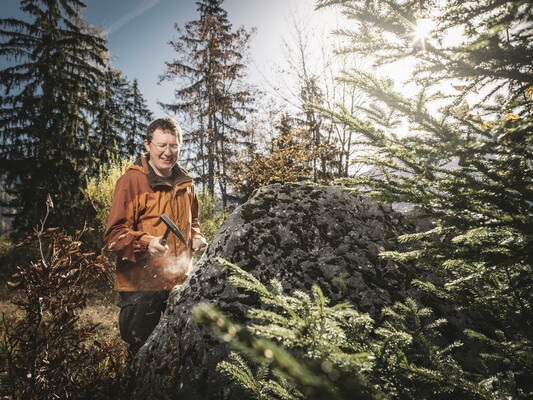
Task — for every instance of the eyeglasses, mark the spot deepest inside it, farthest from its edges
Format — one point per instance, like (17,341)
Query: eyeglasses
(162,147)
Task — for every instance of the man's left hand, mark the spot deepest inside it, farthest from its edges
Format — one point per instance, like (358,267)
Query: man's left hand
(199,245)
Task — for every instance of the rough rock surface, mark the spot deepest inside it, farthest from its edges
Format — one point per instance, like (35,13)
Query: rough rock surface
(301,234)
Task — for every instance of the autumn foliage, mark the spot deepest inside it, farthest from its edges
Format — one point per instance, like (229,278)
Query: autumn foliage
(290,159)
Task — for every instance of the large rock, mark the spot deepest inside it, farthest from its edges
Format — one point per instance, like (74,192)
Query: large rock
(301,234)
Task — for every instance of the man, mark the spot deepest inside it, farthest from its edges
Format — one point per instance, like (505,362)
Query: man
(147,270)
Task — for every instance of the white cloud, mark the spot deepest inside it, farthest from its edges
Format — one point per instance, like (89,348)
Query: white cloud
(137,12)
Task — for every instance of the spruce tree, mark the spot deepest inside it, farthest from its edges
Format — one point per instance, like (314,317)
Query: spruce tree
(49,90)
(462,154)
(211,96)
(108,127)
(137,117)
(121,121)
(298,346)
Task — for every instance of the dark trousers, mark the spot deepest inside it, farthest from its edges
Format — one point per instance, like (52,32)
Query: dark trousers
(140,313)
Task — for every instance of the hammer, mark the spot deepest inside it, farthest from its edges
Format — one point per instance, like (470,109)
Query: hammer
(171,227)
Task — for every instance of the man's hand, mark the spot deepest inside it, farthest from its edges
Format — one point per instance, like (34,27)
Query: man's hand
(199,245)
(156,249)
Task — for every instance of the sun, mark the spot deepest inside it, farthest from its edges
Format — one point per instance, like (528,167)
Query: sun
(423,28)
(421,31)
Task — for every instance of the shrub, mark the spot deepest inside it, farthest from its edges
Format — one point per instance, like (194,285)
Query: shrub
(99,191)
(47,352)
(210,218)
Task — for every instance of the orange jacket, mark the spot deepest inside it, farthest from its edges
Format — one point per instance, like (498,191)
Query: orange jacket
(140,198)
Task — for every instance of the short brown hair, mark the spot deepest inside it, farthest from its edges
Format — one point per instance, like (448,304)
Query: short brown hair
(165,124)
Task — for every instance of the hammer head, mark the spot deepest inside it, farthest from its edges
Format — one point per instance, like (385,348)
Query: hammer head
(171,227)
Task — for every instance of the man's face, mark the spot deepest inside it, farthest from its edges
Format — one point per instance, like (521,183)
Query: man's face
(163,150)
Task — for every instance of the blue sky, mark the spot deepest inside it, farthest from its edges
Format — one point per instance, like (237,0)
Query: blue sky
(138,32)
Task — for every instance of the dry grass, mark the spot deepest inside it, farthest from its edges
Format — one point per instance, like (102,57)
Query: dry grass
(102,309)
(8,310)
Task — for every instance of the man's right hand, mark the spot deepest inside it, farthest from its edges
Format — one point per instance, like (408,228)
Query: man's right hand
(156,249)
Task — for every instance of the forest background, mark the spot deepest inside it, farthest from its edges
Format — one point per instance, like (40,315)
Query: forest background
(454,142)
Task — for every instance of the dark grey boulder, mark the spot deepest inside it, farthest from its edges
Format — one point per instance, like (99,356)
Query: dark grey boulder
(300,234)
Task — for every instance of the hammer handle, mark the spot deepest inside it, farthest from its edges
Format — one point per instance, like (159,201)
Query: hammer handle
(163,240)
